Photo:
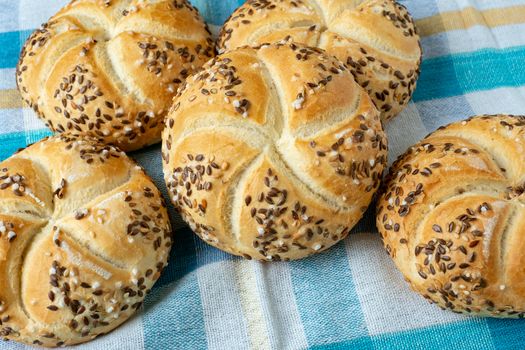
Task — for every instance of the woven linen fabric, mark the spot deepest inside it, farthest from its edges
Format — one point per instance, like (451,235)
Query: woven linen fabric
(351,296)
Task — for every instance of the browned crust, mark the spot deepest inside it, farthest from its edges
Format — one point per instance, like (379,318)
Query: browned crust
(376,39)
(273,153)
(84,234)
(111,71)
(452,216)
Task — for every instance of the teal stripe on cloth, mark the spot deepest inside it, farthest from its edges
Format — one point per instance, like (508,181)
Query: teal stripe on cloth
(364,343)
(457,74)
(11,44)
(507,334)
(445,76)
(330,312)
(173,316)
(459,336)
(216,12)
(472,334)
(11,142)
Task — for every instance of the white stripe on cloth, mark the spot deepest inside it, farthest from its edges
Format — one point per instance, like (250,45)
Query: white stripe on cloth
(7,78)
(274,283)
(498,101)
(6,121)
(246,282)
(480,37)
(387,302)
(32,122)
(221,306)
(404,131)
(440,112)
(129,336)
(33,13)
(480,5)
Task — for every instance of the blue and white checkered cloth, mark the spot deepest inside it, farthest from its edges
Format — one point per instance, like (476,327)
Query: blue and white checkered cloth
(351,296)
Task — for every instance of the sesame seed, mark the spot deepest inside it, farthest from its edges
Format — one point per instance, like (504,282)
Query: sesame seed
(81,213)
(437,228)
(299,101)
(11,236)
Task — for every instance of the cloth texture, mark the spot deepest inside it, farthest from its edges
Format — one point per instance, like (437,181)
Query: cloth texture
(350,297)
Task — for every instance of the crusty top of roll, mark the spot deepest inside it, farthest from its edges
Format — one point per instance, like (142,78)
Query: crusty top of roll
(273,152)
(453,216)
(84,234)
(375,39)
(109,69)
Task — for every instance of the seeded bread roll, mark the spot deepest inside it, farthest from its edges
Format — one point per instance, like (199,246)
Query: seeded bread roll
(453,216)
(83,237)
(109,69)
(376,39)
(273,153)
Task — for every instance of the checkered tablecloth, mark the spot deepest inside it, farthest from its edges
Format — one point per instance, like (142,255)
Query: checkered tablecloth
(351,296)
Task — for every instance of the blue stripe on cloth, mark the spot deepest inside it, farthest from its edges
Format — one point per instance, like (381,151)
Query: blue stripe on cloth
(11,44)
(182,258)
(364,343)
(173,317)
(507,334)
(472,334)
(436,45)
(330,312)
(448,110)
(175,301)
(9,143)
(417,11)
(216,12)
(458,74)
(209,254)
(183,255)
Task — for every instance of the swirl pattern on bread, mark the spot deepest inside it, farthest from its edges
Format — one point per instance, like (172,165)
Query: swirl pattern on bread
(273,153)
(109,69)
(84,234)
(453,213)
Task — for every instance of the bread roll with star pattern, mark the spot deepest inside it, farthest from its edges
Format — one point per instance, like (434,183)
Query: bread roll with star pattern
(110,68)
(453,214)
(84,235)
(375,39)
(273,153)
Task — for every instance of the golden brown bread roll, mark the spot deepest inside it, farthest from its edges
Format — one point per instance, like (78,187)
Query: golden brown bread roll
(453,213)
(109,69)
(84,234)
(376,39)
(273,153)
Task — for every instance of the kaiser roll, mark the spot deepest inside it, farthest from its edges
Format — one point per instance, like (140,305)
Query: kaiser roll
(376,39)
(84,234)
(273,153)
(453,216)
(109,69)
